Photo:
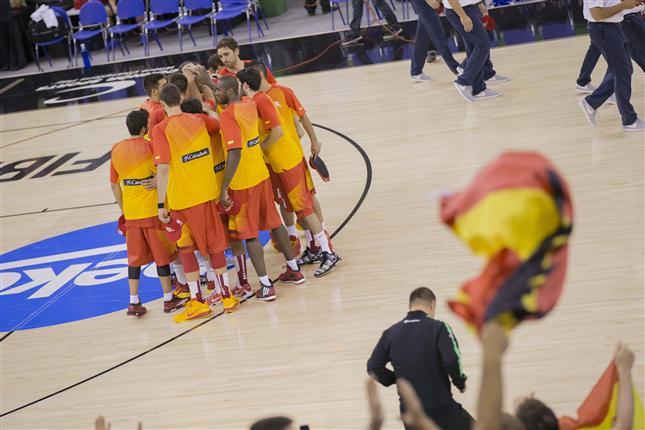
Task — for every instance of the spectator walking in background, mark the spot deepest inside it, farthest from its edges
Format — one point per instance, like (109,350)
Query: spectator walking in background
(311,5)
(425,352)
(391,30)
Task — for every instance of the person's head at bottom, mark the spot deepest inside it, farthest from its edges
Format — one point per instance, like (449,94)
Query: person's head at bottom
(535,415)
(273,423)
(423,299)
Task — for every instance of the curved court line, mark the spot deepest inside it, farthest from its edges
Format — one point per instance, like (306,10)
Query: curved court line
(359,203)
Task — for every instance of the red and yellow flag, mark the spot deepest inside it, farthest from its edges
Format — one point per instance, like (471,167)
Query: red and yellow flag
(598,411)
(517,213)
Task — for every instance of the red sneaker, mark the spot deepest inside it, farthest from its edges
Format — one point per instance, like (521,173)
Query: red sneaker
(266,294)
(213,299)
(243,291)
(181,291)
(172,305)
(199,297)
(292,277)
(136,310)
(210,285)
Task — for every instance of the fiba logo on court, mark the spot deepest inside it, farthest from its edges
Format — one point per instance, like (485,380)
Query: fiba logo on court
(70,277)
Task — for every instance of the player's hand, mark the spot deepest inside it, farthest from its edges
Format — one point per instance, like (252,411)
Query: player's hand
(225,200)
(101,424)
(149,183)
(376,410)
(494,339)
(435,4)
(414,415)
(163,216)
(315,149)
(623,357)
(466,22)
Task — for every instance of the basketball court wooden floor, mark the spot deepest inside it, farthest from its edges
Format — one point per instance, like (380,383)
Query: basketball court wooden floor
(304,355)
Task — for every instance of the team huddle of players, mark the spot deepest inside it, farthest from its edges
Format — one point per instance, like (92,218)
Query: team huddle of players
(208,157)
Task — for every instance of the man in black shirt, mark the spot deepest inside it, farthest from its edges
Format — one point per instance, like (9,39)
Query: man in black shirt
(425,352)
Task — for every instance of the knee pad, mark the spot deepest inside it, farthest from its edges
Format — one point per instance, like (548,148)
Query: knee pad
(163,270)
(134,272)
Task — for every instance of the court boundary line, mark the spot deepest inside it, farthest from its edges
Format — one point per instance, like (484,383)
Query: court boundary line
(357,206)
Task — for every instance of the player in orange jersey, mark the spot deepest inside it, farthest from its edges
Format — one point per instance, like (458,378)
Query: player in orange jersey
(152,85)
(246,191)
(183,154)
(288,105)
(131,163)
(229,53)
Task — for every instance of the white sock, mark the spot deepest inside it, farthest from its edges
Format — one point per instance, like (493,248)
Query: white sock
(194,289)
(308,236)
(179,273)
(134,299)
(210,274)
(265,281)
(321,238)
(293,265)
(167,297)
(291,229)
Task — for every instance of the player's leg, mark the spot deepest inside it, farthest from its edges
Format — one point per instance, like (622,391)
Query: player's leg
(163,252)
(243,288)
(181,290)
(139,254)
(218,261)
(135,308)
(256,254)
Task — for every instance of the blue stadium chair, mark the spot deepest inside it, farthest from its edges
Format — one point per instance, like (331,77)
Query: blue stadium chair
(555,30)
(93,22)
(60,12)
(518,35)
(229,9)
(157,8)
(126,9)
(186,21)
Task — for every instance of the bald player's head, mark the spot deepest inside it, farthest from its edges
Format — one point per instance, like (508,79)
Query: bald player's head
(227,89)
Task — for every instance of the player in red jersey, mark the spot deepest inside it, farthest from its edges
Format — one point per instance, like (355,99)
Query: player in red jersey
(131,163)
(288,106)
(246,190)
(229,52)
(152,85)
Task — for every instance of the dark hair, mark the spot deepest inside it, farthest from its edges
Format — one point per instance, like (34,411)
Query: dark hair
(422,294)
(251,77)
(273,423)
(184,64)
(257,65)
(151,82)
(170,95)
(192,105)
(214,62)
(136,121)
(535,415)
(179,80)
(228,42)
(229,82)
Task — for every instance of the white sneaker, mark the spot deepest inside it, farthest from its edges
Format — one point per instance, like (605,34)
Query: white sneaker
(587,89)
(487,94)
(612,100)
(422,77)
(638,125)
(465,91)
(460,71)
(498,79)
(590,113)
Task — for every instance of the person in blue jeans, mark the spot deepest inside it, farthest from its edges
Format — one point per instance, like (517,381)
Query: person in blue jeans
(604,18)
(466,18)
(392,29)
(633,27)
(429,31)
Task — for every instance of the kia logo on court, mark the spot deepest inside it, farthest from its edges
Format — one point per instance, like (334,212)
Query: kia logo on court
(71,277)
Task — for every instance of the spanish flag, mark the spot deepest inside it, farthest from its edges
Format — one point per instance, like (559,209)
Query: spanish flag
(518,214)
(598,411)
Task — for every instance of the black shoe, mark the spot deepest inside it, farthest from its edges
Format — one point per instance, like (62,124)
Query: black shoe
(390,33)
(309,257)
(327,264)
(352,40)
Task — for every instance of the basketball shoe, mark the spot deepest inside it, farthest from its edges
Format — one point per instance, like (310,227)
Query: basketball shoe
(312,255)
(292,277)
(230,304)
(266,293)
(213,299)
(328,263)
(243,291)
(194,310)
(136,310)
(172,305)
(181,291)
